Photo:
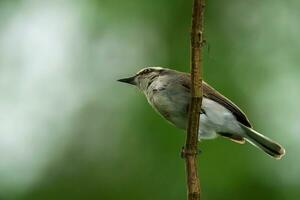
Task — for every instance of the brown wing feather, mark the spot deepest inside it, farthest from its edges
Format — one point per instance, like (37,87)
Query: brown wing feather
(210,93)
(214,95)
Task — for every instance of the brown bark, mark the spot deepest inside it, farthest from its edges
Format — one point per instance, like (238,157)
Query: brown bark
(190,150)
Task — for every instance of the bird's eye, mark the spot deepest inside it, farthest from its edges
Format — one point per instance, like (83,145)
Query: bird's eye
(146,71)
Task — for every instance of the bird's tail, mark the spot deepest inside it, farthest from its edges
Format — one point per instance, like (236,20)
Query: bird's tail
(262,142)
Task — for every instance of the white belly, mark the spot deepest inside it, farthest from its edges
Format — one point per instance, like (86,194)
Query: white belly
(216,119)
(173,107)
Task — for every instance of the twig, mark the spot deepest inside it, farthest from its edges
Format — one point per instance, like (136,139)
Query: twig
(190,150)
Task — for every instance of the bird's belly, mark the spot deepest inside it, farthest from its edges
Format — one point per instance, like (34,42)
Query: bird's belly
(215,119)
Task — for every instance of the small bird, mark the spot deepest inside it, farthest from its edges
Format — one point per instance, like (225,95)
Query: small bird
(168,92)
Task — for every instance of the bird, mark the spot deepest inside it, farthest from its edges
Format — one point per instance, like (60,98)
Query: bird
(168,91)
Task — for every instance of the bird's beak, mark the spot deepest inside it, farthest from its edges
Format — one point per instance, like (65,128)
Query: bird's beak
(130,80)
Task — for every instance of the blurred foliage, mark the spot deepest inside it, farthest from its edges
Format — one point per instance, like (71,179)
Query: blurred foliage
(70,131)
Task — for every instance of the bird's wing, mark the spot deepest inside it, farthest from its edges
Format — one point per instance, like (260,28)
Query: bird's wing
(210,93)
(214,95)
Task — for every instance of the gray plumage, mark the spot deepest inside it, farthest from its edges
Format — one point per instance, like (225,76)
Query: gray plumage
(168,92)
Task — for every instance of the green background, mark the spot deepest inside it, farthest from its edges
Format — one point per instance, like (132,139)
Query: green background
(70,131)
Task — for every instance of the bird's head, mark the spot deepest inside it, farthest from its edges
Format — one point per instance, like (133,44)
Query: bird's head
(143,78)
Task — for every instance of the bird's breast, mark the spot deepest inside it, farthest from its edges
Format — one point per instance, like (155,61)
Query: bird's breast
(172,107)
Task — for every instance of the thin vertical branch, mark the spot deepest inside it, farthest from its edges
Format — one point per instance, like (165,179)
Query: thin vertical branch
(190,150)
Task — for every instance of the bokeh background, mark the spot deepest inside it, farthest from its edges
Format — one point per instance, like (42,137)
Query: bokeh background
(68,130)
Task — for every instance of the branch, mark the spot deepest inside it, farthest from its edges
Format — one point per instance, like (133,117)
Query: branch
(190,150)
